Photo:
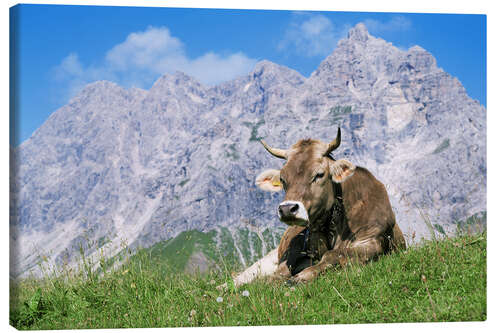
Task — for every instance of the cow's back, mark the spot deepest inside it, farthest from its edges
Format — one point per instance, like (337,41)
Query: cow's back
(368,209)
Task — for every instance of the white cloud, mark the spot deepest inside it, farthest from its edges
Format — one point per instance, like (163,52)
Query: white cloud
(146,55)
(311,35)
(152,49)
(69,66)
(71,76)
(212,68)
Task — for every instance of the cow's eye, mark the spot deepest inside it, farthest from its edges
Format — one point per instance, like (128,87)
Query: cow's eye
(283,183)
(318,176)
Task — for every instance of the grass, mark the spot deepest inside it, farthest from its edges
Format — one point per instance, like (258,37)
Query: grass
(439,280)
(173,255)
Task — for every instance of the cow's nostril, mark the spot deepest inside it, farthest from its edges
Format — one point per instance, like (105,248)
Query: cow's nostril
(292,213)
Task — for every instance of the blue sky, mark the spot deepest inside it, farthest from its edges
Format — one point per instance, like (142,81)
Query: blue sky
(60,49)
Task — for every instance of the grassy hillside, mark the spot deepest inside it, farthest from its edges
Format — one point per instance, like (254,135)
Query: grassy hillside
(239,248)
(438,281)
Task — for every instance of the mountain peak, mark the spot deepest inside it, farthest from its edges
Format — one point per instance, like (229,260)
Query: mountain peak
(417,48)
(266,66)
(98,90)
(269,70)
(99,86)
(168,81)
(359,33)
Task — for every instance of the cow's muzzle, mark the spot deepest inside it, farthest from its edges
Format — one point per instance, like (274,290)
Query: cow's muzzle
(293,213)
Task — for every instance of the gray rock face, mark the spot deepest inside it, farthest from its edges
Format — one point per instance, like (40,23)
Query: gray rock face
(141,166)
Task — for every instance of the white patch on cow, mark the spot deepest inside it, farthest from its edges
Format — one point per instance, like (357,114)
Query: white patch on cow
(301,214)
(264,267)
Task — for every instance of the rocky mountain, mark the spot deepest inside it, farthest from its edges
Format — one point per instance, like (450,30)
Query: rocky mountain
(136,166)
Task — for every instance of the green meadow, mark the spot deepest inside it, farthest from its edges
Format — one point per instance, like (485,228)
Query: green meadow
(434,281)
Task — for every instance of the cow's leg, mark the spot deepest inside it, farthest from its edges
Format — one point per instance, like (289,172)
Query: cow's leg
(282,272)
(360,251)
(289,244)
(266,266)
(398,243)
(269,265)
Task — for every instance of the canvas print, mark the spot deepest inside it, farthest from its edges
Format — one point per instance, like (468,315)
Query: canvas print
(175,167)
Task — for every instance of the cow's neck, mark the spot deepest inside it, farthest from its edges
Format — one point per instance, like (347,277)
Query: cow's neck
(325,231)
(335,215)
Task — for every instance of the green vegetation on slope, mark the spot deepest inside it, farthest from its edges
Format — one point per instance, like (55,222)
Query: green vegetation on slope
(231,151)
(474,224)
(254,135)
(438,281)
(442,146)
(338,112)
(172,256)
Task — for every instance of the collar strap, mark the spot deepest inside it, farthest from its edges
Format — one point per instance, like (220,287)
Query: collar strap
(306,239)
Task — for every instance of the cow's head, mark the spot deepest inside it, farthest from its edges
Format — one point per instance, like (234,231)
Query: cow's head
(306,178)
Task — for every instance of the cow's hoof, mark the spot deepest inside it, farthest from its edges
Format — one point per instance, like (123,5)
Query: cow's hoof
(295,280)
(305,276)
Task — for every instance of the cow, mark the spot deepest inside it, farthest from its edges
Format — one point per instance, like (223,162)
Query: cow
(336,212)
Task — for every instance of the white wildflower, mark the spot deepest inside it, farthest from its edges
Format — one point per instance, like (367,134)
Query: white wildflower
(219,299)
(245,293)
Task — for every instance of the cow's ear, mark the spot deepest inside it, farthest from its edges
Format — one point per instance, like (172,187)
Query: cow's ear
(269,180)
(341,170)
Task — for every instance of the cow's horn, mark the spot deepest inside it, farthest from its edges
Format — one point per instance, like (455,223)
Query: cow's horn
(334,144)
(280,153)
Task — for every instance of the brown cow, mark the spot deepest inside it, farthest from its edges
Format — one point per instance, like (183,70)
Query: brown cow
(336,211)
